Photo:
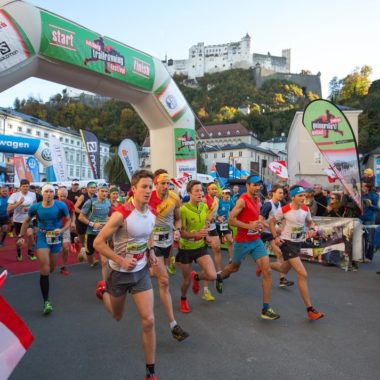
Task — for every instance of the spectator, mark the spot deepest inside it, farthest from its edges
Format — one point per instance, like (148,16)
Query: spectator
(310,201)
(320,199)
(335,208)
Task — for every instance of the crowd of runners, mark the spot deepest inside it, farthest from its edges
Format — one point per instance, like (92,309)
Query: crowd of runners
(152,233)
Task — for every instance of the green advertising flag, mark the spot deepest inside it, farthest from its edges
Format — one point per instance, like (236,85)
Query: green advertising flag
(185,148)
(68,42)
(333,135)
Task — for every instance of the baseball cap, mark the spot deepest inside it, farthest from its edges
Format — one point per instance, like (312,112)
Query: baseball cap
(254,179)
(75,182)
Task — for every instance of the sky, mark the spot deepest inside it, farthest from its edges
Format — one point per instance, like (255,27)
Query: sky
(331,37)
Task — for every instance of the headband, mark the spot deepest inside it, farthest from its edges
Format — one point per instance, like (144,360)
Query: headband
(161,177)
(48,187)
(297,190)
(91,184)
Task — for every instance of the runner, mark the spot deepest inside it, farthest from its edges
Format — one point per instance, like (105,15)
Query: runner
(192,246)
(245,216)
(131,227)
(19,203)
(166,204)
(212,201)
(4,219)
(94,215)
(114,199)
(81,228)
(225,233)
(297,217)
(66,238)
(49,214)
(267,212)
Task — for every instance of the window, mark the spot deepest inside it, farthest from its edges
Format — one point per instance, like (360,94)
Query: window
(231,154)
(206,155)
(38,133)
(46,135)
(317,158)
(240,154)
(215,155)
(72,142)
(10,126)
(29,130)
(71,171)
(19,129)
(78,158)
(89,173)
(61,138)
(66,140)
(77,171)
(83,172)
(78,143)
(223,155)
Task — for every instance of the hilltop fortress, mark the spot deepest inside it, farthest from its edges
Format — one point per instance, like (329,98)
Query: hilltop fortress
(215,58)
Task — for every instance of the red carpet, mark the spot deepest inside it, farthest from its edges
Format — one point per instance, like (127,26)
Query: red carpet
(8,259)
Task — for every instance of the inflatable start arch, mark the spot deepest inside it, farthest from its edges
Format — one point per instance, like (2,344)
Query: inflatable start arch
(37,43)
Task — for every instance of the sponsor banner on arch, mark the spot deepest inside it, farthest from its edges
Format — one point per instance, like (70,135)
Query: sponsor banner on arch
(15,46)
(333,135)
(171,98)
(68,42)
(185,146)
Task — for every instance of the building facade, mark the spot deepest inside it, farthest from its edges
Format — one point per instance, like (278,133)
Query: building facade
(17,124)
(233,55)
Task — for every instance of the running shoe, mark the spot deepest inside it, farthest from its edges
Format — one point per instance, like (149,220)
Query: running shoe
(150,377)
(258,271)
(171,267)
(314,315)
(100,289)
(179,334)
(48,307)
(219,284)
(269,314)
(81,254)
(10,234)
(94,264)
(207,296)
(19,257)
(32,257)
(184,307)
(195,285)
(284,283)
(64,271)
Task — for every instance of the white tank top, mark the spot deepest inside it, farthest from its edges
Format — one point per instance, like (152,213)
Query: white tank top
(132,239)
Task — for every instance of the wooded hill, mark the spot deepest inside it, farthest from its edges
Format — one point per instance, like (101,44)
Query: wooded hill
(215,98)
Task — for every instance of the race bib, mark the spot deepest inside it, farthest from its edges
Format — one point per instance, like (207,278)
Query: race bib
(298,233)
(136,250)
(223,227)
(52,238)
(211,227)
(25,209)
(252,232)
(99,229)
(161,233)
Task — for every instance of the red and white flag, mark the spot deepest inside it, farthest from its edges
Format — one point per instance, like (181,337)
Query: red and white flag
(179,182)
(331,176)
(279,168)
(15,337)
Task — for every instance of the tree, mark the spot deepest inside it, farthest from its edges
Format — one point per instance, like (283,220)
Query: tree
(334,89)
(355,84)
(115,171)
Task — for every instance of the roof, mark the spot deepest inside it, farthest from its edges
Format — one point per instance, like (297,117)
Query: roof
(279,139)
(223,130)
(36,120)
(217,148)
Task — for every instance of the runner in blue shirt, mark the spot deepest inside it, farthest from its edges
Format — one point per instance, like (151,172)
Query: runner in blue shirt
(225,233)
(49,214)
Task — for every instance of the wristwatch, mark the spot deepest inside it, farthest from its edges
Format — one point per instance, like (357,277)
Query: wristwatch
(91,224)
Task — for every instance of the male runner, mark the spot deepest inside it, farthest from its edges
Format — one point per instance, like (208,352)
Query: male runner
(224,209)
(66,238)
(246,217)
(192,246)
(49,214)
(268,210)
(131,227)
(94,214)
(81,227)
(19,203)
(4,219)
(212,201)
(166,204)
(297,218)
(114,199)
